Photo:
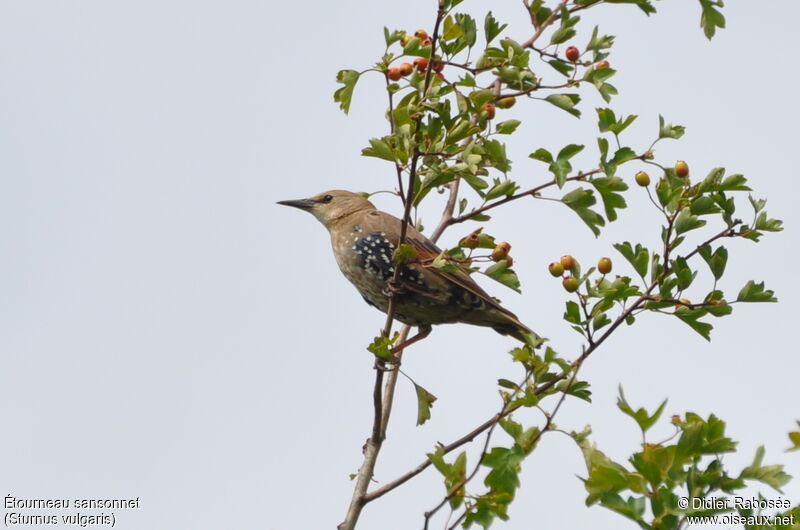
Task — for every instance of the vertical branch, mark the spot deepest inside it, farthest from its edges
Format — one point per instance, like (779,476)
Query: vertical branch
(382,407)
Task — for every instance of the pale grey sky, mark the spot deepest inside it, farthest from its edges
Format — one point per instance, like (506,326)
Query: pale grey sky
(169,333)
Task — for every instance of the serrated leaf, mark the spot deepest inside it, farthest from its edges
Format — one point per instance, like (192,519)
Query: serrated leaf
(686,222)
(639,257)
(379,149)
(703,328)
(565,102)
(502,273)
(755,292)
(507,127)
(424,403)
(492,28)
(773,475)
(669,130)
(344,95)
(716,261)
(580,200)
(573,313)
(403,253)
(608,187)
(543,155)
(711,18)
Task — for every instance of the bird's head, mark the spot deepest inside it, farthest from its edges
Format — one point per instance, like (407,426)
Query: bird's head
(331,206)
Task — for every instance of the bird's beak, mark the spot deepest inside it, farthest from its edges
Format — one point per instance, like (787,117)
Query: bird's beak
(303,204)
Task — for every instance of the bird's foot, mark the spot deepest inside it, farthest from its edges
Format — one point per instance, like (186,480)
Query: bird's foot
(391,289)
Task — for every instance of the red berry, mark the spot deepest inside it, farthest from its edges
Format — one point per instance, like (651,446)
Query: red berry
(437,65)
(488,108)
(681,169)
(394,73)
(573,54)
(556,269)
(426,42)
(421,64)
(406,69)
(604,265)
(570,283)
(568,262)
(601,65)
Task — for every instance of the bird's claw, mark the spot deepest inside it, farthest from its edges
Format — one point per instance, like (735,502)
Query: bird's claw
(386,365)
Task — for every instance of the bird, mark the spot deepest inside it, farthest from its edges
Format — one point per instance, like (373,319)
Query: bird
(364,240)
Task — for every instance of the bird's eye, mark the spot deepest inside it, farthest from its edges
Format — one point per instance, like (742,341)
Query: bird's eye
(327,198)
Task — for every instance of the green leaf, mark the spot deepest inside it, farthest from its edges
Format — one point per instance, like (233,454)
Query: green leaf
(580,200)
(639,257)
(501,188)
(573,313)
(565,102)
(755,292)
(424,403)
(716,261)
(561,67)
(711,18)
(379,149)
(773,475)
(669,131)
(507,127)
(686,222)
(452,30)
(392,36)
(608,187)
(640,416)
(491,27)
(794,437)
(561,167)
(766,224)
(501,272)
(607,121)
(542,155)
(381,346)
(496,153)
(344,95)
(691,318)
(403,253)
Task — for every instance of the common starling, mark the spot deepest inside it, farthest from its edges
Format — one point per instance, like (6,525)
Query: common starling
(364,240)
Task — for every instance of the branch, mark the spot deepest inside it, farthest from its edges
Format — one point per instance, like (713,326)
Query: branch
(382,409)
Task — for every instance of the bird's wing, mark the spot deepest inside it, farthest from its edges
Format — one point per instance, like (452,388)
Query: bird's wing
(427,251)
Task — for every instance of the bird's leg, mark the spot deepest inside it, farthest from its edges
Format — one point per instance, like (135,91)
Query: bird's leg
(422,331)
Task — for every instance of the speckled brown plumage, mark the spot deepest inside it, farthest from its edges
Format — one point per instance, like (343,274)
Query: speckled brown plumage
(364,240)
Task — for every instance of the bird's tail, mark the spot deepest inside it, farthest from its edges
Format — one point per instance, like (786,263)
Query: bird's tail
(507,323)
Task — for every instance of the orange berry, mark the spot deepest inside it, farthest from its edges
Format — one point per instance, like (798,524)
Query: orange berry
(488,108)
(642,179)
(406,69)
(501,251)
(604,265)
(421,64)
(556,269)
(394,73)
(570,284)
(681,169)
(506,102)
(421,34)
(568,262)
